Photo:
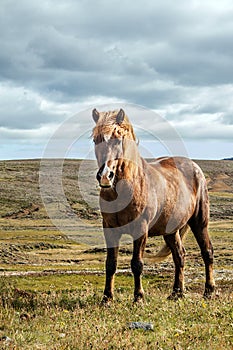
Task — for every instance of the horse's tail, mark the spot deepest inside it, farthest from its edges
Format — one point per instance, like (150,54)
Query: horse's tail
(165,251)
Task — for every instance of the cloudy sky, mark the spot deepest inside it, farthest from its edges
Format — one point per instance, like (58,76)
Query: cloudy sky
(58,58)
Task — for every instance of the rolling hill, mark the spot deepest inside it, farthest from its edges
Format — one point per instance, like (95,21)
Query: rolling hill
(20,191)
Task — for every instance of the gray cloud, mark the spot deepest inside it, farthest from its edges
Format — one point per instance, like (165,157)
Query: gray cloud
(173,57)
(227,118)
(22,109)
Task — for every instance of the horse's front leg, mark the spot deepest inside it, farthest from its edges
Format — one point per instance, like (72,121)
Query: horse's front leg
(110,265)
(178,252)
(137,266)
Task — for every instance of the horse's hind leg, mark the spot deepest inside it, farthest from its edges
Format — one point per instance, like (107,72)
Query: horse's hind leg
(199,226)
(178,252)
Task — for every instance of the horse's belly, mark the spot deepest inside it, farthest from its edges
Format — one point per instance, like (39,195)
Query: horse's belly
(168,224)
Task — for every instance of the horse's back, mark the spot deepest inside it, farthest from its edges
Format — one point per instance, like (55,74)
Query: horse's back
(179,168)
(181,188)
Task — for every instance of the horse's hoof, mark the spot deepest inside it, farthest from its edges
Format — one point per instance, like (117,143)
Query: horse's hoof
(209,292)
(176,295)
(138,299)
(106,301)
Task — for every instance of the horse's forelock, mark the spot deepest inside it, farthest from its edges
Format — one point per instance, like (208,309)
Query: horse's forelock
(107,127)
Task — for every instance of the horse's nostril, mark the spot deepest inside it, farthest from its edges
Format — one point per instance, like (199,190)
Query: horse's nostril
(106,174)
(111,174)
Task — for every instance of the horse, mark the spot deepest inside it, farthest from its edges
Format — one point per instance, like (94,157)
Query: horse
(165,197)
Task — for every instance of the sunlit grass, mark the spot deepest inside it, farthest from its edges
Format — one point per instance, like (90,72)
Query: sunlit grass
(51,284)
(66,314)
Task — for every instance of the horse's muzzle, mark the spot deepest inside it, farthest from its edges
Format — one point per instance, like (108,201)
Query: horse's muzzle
(105,177)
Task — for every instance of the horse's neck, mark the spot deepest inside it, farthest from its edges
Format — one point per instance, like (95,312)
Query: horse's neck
(131,165)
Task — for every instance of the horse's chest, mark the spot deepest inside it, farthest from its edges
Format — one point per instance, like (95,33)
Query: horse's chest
(125,216)
(128,206)
(129,214)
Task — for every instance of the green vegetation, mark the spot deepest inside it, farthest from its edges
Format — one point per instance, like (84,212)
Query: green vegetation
(69,316)
(51,284)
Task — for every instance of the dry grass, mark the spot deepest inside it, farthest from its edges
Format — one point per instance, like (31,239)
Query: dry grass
(54,308)
(72,318)
(51,284)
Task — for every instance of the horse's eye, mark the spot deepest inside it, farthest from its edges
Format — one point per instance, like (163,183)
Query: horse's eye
(96,141)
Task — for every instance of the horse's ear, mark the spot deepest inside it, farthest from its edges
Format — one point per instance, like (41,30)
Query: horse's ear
(120,116)
(95,115)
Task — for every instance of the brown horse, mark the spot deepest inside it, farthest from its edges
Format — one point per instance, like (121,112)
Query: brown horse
(146,199)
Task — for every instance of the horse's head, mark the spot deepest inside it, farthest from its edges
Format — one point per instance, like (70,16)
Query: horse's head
(108,135)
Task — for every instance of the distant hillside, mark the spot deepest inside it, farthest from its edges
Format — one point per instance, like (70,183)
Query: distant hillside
(20,193)
(228,158)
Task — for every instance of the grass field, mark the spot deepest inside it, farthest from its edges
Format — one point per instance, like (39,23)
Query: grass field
(51,282)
